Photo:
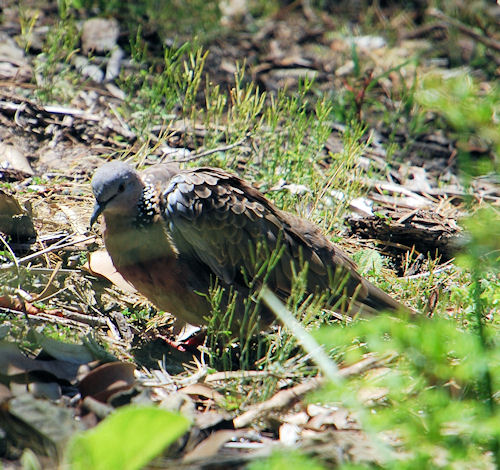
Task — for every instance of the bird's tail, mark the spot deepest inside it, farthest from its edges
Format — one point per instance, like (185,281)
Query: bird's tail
(375,300)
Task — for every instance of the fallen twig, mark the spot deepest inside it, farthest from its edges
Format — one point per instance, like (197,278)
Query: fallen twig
(14,257)
(49,282)
(287,397)
(488,42)
(439,270)
(51,248)
(243,374)
(211,151)
(44,318)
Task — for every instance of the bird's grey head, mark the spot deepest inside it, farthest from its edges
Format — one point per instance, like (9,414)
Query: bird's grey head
(117,188)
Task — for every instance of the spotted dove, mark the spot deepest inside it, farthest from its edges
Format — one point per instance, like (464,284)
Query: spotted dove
(174,233)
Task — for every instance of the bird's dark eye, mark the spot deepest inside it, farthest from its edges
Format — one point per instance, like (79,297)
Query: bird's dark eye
(121,188)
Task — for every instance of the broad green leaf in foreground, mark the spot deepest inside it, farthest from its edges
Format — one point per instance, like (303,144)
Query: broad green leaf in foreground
(126,440)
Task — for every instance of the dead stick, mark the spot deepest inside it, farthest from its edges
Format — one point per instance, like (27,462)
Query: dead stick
(289,396)
(489,42)
(46,250)
(211,151)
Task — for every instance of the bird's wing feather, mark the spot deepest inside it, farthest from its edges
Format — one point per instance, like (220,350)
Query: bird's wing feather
(218,219)
(212,217)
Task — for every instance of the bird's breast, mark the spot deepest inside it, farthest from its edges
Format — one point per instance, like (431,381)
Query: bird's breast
(149,261)
(165,283)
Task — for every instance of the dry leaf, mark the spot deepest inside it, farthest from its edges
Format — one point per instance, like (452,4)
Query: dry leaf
(211,445)
(13,159)
(99,263)
(14,220)
(108,379)
(205,392)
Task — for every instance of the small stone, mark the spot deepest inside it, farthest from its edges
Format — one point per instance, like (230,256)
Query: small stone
(99,35)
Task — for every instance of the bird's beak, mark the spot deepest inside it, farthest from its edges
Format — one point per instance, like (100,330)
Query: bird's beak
(98,208)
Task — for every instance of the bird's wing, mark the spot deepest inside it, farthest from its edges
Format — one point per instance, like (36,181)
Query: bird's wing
(220,220)
(160,174)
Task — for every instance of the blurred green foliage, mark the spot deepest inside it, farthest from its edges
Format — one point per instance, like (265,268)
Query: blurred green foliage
(472,111)
(433,400)
(126,440)
(289,460)
(170,18)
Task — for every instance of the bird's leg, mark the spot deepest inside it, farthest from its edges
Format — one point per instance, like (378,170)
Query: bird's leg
(187,339)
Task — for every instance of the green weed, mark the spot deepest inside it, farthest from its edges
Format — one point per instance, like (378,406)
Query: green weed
(470,112)
(56,80)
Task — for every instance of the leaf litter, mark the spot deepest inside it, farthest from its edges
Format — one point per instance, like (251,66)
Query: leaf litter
(49,389)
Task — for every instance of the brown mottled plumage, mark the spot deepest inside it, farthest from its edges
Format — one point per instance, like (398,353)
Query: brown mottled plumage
(172,233)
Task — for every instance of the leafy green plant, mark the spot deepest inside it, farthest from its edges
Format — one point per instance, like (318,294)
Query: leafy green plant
(470,110)
(239,344)
(191,18)
(431,401)
(153,94)
(55,78)
(137,315)
(228,322)
(291,460)
(246,105)
(436,404)
(128,439)
(294,137)
(27,21)
(440,394)
(368,261)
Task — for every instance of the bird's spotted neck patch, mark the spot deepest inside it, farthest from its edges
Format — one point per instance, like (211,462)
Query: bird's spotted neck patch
(148,207)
